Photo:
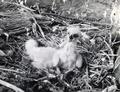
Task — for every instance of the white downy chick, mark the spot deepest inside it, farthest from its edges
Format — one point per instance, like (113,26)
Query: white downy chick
(44,57)
(47,56)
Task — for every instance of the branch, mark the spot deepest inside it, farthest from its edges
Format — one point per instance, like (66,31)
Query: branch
(11,70)
(16,89)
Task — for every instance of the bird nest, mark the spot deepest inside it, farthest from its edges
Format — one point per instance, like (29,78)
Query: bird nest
(15,65)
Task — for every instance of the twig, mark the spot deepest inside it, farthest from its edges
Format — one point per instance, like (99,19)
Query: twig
(111,61)
(40,29)
(114,43)
(97,66)
(89,28)
(25,7)
(10,70)
(11,86)
(41,79)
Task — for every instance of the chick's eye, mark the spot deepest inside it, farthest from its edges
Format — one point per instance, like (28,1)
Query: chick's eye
(114,14)
(75,35)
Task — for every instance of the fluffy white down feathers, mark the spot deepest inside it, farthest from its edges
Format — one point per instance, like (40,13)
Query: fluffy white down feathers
(41,56)
(48,57)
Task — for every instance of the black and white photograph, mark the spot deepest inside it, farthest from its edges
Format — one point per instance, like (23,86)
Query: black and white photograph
(59,45)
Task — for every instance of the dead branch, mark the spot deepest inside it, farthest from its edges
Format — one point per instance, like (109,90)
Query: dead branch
(10,70)
(11,86)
